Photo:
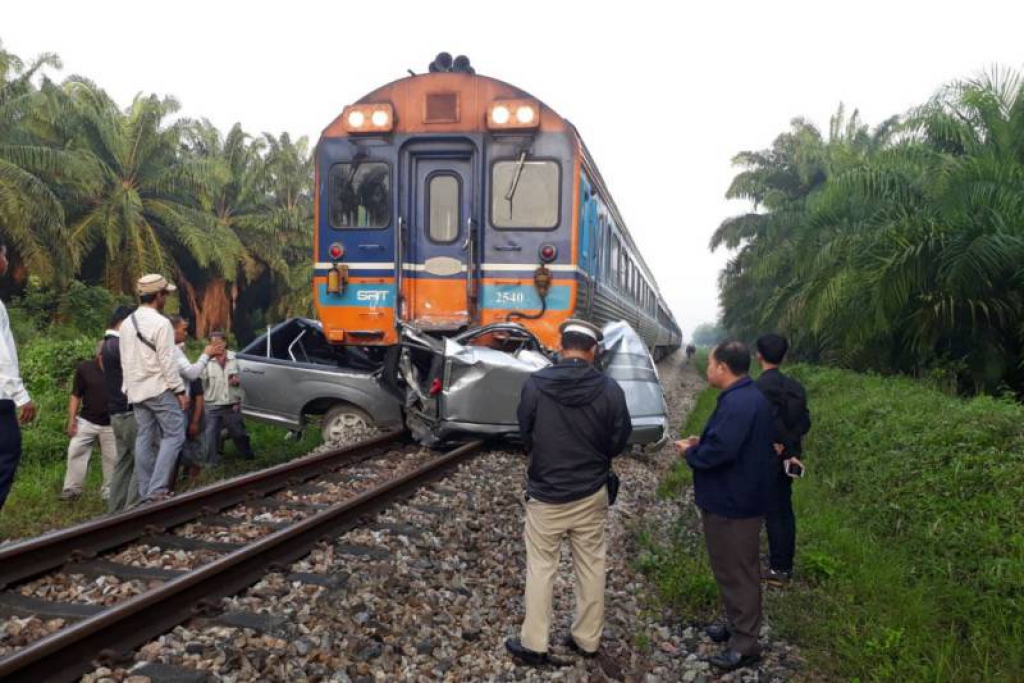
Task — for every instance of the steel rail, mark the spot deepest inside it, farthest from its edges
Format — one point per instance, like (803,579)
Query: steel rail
(24,559)
(69,653)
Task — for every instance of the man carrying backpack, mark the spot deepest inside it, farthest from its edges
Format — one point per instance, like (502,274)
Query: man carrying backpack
(792,422)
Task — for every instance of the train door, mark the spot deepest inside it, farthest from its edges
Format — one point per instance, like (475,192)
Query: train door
(439,253)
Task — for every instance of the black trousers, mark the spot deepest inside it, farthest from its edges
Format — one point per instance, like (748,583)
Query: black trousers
(10,447)
(780,523)
(734,549)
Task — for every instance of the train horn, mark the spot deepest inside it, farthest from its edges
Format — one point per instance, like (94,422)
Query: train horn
(444,63)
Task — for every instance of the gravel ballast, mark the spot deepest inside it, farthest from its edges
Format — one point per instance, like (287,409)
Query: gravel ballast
(430,589)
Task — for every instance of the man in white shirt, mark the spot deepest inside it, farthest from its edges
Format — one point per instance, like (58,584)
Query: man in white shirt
(16,407)
(154,387)
(222,392)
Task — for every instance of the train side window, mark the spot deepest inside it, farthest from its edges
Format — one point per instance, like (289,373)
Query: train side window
(614,262)
(360,195)
(443,207)
(535,197)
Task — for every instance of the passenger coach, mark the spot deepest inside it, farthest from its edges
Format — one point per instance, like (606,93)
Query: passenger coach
(449,200)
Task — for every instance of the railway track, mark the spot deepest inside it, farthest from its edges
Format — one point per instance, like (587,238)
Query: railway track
(236,530)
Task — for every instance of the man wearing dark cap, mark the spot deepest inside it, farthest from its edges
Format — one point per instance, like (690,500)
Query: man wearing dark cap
(730,462)
(573,421)
(154,388)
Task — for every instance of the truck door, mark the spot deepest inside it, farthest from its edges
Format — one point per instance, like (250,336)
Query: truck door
(440,250)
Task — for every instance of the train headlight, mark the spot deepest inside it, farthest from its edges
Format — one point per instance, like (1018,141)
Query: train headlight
(368,118)
(548,253)
(500,115)
(513,114)
(337,251)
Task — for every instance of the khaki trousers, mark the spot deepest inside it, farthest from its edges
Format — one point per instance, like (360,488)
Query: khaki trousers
(733,549)
(80,450)
(124,491)
(583,521)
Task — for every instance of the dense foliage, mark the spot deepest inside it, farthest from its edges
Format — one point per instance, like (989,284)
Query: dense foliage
(897,248)
(98,194)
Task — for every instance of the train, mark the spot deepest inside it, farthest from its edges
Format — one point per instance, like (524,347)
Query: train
(448,200)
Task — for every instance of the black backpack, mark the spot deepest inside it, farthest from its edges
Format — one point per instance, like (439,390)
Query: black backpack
(792,407)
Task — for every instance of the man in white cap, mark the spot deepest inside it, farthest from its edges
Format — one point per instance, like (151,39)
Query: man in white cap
(573,420)
(154,388)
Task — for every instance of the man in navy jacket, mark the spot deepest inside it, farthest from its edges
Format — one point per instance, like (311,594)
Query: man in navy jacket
(731,462)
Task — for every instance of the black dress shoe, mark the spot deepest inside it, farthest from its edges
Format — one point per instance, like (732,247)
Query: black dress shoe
(729,660)
(529,657)
(571,643)
(718,633)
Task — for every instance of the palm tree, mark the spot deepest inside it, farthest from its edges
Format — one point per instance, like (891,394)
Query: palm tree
(263,196)
(896,248)
(31,215)
(144,209)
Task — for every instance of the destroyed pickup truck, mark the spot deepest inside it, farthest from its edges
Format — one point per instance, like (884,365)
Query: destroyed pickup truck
(442,389)
(291,375)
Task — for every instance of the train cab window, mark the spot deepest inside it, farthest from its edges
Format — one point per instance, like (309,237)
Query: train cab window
(443,207)
(525,196)
(360,195)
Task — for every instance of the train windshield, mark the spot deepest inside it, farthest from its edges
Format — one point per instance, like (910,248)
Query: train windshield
(360,195)
(534,202)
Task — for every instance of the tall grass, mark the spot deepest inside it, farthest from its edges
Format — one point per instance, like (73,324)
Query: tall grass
(910,551)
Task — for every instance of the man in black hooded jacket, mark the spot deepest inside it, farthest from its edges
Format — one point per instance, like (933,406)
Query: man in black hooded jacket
(573,421)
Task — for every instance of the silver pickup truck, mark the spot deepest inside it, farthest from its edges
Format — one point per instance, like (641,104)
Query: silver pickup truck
(292,376)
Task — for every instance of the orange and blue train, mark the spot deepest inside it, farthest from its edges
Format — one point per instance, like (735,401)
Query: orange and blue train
(449,200)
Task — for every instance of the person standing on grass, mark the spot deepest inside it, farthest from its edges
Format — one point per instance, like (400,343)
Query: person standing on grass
(16,406)
(573,420)
(792,421)
(88,424)
(222,390)
(730,463)
(124,490)
(191,454)
(154,387)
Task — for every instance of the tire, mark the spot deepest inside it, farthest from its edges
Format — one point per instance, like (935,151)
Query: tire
(344,423)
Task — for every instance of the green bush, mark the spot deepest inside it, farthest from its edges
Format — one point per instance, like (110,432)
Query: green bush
(79,309)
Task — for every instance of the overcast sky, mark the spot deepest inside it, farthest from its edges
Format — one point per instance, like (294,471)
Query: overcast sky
(664,93)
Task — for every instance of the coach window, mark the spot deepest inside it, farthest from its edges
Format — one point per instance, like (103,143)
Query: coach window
(360,195)
(443,207)
(525,195)
(613,261)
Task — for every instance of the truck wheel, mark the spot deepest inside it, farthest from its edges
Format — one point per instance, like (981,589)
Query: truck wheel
(344,423)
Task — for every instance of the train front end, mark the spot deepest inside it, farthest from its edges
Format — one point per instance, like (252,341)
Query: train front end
(445,201)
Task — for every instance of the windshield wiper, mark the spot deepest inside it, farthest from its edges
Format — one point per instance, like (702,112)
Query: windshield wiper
(511,191)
